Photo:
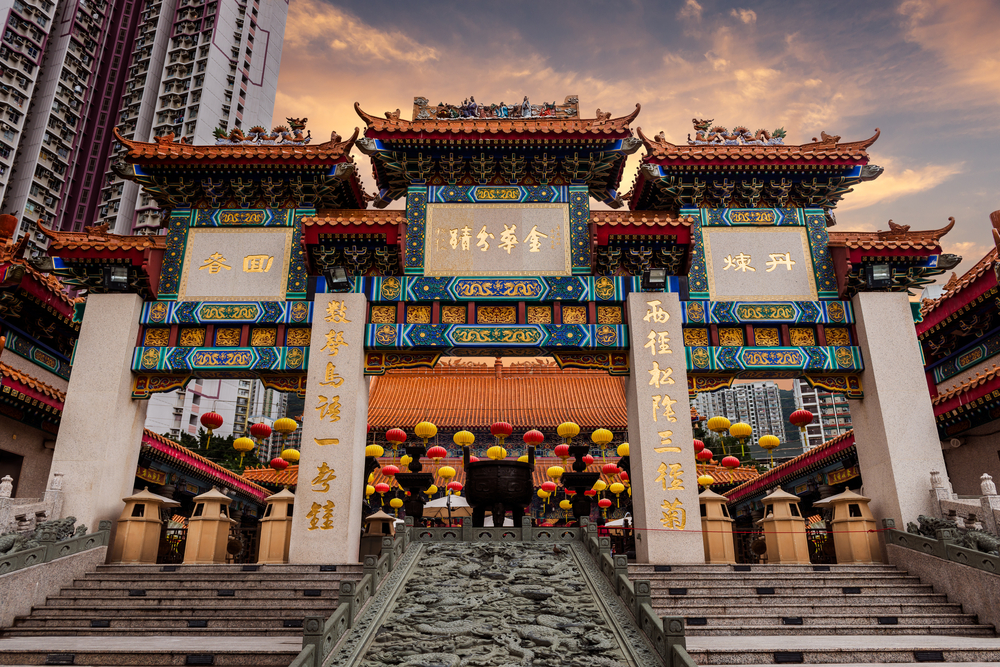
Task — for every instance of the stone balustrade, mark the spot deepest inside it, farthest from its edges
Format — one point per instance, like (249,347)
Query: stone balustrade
(977,513)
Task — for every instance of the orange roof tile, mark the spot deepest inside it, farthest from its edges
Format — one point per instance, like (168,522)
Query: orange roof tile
(968,385)
(28,381)
(470,397)
(165,148)
(956,285)
(353,216)
(98,238)
(542,125)
(647,218)
(897,236)
(659,148)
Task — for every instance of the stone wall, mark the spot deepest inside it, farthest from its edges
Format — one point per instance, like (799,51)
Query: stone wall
(27,588)
(17,438)
(976,456)
(977,591)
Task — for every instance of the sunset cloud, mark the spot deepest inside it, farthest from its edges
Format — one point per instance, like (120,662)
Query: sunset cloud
(896,182)
(748,16)
(690,10)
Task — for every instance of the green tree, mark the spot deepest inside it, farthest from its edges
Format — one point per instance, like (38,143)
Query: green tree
(219,450)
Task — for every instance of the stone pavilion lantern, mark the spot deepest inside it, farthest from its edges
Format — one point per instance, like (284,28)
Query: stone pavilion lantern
(376,526)
(208,529)
(784,529)
(852,521)
(276,528)
(717,528)
(137,537)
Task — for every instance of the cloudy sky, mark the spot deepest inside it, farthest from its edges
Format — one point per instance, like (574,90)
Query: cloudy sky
(926,72)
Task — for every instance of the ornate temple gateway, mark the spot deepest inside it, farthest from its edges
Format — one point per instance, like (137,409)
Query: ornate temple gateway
(719,263)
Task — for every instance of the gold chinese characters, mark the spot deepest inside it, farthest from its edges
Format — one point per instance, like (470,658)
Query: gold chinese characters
(741,262)
(251,263)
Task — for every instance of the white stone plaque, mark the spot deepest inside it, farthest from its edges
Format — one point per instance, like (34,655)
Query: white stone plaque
(755,264)
(236,264)
(498,240)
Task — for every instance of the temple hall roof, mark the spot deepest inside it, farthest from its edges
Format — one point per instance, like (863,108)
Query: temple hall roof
(165,148)
(98,238)
(897,237)
(958,284)
(640,218)
(32,383)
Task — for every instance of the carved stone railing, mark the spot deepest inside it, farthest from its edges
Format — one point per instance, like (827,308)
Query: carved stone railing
(976,512)
(944,547)
(51,549)
(666,633)
(321,636)
(21,515)
(523,533)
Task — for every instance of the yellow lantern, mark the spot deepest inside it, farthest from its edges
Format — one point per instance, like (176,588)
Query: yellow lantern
(243,445)
(464,438)
(706,480)
(431,490)
(600,485)
(496,452)
(425,431)
(718,425)
(555,472)
(291,455)
(566,505)
(741,432)
(371,478)
(395,503)
(456,493)
(405,460)
(374,451)
(568,431)
(543,494)
(623,449)
(616,488)
(369,489)
(446,472)
(601,437)
(769,442)
(523,459)
(285,426)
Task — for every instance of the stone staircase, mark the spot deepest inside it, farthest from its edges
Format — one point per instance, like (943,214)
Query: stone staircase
(192,605)
(753,614)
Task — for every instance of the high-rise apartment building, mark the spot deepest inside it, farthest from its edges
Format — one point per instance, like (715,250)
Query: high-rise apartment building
(831,413)
(216,66)
(72,70)
(238,401)
(754,403)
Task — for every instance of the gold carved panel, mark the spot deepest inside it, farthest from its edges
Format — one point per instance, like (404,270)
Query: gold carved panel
(574,314)
(156,338)
(496,315)
(539,315)
(418,314)
(609,315)
(768,337)
(227,337)
(298,337)
(191,338)
(695,337)
(837,336)
(731,336)
(383,314)
(454,314)
(802,337)
(264,337)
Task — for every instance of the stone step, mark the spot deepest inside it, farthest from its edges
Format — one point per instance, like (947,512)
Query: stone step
(693,588)
(213,583)
(183,575)
(249,604)
(325,590)
(759,579)
(841,649)
(720,608)
(682,601)
(791,568)
(945,630)
(322,607)
(174,622)
(771,621)
(279,570)
(79,631)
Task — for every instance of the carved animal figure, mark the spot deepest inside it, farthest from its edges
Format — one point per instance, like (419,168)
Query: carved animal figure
(297,123)
(825,138)
(392,115)
(899,229)
(980,541)
(603,116)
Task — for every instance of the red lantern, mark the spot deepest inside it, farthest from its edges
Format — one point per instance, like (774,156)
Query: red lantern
(730,462)
(548,487)
(800,418)
(562,451)
(278,463)
(501,430)
(534,437)
(623,475)
(590,492)
(704,455)
(570,492)
(437,453)
(473,459)
(396,436)
(389,470)
(211,421)
(455,486)
(588,459)
(698,446)
(368,428)
(381,487)
(604,503)
(610,469)
(260,430)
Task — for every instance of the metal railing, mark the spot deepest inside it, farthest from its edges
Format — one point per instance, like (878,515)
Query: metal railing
(50,549)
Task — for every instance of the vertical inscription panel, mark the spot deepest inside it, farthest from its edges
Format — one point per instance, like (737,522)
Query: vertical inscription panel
(326,523)
(664,478)
(498,240)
